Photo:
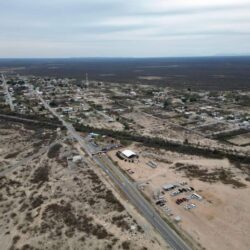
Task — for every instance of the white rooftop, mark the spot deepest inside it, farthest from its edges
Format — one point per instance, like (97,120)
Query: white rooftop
(168,186)
(77,158)
(128,153)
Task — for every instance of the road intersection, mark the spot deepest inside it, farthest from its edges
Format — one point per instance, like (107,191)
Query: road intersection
(125,185)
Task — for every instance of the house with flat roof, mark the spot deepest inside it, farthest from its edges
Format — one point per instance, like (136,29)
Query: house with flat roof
(128,153)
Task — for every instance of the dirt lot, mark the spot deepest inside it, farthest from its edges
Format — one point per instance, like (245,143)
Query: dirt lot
(221,220)
(240,140)
(150,125)
(99,121)
(49,202)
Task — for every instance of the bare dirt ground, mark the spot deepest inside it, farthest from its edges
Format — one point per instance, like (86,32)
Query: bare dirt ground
(240,140)
(152,126)
(49,202)
(150,77)
(98,121)
(149,125)
(221,220)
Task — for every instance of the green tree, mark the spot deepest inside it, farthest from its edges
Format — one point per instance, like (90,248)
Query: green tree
(166,104)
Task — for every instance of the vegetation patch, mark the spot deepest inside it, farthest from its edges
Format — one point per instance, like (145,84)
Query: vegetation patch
(93,177)
(120,222)
(37,202)
(12,155)
(41,175)
(54,151)
(6,182)
(110,198)
(126,245)
(156,142)
(55,213)
(218,174)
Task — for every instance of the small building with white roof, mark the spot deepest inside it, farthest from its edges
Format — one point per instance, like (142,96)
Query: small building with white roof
(129,153)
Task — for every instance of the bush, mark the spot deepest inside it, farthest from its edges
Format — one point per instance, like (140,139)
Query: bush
(54,151)
(15,239)
(41,175)
(126,245)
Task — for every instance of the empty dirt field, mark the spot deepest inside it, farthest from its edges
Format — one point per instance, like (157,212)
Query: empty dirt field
(97,120)
(221,219)
(149,125)
(48,202)
(240,140)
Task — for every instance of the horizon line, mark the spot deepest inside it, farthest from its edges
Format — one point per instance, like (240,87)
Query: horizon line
(123,57)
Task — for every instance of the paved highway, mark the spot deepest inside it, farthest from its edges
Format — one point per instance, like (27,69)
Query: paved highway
(128,187)
(136,198)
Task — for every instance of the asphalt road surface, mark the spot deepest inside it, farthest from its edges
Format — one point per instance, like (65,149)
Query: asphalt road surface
(129,188)
(136,198)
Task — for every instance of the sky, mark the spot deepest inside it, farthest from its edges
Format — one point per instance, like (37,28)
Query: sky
(124,28)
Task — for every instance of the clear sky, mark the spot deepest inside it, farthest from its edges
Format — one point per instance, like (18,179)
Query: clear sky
(127,28)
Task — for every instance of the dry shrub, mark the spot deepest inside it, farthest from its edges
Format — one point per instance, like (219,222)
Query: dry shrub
(41,175)
(54,151)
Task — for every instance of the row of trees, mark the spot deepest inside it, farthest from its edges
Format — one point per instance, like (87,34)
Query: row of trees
(32,119)
(157,142)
